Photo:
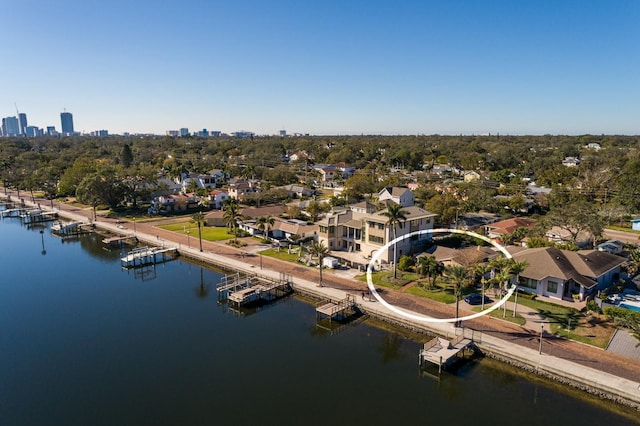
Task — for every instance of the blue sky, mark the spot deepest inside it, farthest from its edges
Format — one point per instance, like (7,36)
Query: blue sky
(325,67)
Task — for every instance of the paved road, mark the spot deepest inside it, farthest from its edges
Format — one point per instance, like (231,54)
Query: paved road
(579,353)
(625,237)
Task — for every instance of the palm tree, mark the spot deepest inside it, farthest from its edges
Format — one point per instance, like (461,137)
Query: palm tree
(503,278)
(431,268)
(458,276)
(319,250)
(264,223)
(231,215)
(198,218)
(396,216)
(481,270)
(516,268)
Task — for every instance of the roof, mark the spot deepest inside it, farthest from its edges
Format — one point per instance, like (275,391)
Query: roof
(411,213)
(395,191)
(583,266)
(508,226)
(463,256)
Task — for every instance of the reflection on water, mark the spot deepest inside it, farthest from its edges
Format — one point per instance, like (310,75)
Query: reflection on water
(83,341)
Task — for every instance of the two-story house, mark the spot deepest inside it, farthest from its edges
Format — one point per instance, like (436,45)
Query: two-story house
(362,234)
(398,194)
(238,188)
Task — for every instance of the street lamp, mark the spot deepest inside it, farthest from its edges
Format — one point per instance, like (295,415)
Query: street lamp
(541,332)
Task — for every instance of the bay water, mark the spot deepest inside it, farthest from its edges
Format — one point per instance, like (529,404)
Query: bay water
(85,342)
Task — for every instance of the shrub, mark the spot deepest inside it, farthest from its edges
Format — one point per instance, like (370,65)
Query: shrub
(622,316)
(405,263)
(592,306)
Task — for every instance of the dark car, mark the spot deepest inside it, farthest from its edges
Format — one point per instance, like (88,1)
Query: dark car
(476,299)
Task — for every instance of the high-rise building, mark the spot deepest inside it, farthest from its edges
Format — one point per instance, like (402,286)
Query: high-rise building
(66,119)
(10,126)
(184,132)
(51,130)
(31,131)
(22,121)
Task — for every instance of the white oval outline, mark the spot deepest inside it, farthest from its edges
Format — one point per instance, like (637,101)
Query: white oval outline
(423,318)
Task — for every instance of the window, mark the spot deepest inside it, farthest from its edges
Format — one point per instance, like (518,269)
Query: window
(377,240)
(552,286)
(529,283)
(381,226)
(323,229)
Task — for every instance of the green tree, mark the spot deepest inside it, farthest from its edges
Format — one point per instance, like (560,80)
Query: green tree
(264,223)
(458,276)
(316,208)
(103,186)
(231,216)
(480,271)
(198,219)
(396,216)
(319,251)
(73,175)
(126,156)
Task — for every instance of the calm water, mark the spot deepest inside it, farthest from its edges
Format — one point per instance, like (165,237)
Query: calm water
(83,342)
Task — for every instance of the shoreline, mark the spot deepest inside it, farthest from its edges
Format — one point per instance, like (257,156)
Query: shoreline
(596,382)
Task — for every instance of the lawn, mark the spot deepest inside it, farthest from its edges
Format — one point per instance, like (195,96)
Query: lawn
(385,279)
(209,233)
(498,313)
(443,295)
(282,254)
(572,324)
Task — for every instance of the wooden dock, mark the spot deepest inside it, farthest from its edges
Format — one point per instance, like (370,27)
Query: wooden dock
(442,352)
(243,289)
(15,212)
(120,240)
(147,256)
(38,216)
(336,310)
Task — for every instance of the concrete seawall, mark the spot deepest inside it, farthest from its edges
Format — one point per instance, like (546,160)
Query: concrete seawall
(591,380)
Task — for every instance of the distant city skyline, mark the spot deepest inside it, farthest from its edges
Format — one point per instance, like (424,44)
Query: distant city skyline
(408,67)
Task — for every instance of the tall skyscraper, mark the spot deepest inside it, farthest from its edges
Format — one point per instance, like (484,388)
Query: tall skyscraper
(22,121)
(10,126)
(66,119)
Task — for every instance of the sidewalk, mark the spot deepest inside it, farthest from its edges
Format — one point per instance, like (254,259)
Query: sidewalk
(516,347)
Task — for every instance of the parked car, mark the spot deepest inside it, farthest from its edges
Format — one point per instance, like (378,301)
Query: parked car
(476,299)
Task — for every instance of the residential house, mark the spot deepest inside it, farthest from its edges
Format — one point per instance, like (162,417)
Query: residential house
(561,274)
(217,197)
(571,161)
(201,180)
(238,188)
(355,237)
(166,186)
(299,156)
(561,235)
(364,207)
(293,229)
(347,170)
(471,176)
(327,172)
(460,257)
(496,230)
(473,221)
(297,191)
(635,224)
(398,194)
(173,203)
